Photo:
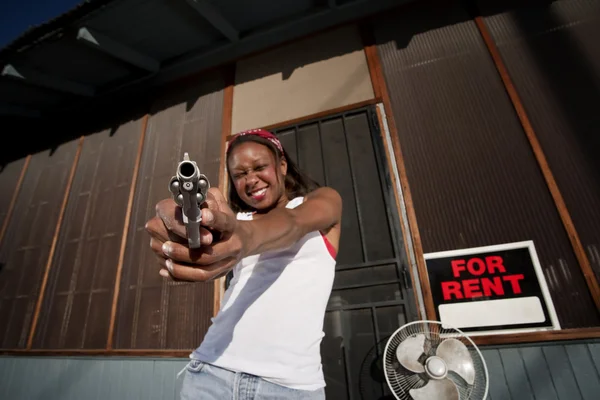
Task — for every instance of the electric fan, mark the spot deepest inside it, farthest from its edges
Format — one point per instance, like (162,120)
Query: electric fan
(425,360)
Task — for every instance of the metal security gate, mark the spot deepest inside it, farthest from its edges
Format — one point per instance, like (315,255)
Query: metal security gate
(371,296)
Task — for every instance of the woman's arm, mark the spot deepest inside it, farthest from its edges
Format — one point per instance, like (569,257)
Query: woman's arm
(277,229)
(282,227)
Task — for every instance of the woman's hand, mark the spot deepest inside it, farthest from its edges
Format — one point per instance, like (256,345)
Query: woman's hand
(211,260)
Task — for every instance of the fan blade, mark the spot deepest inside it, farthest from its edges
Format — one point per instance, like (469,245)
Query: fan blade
(436,390)
(409,351)
(457,358)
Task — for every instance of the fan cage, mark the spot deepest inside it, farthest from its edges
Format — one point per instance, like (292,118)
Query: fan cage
(401,380)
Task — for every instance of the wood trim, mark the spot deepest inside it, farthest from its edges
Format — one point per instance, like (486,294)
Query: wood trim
(377,77)
(40,299)
(15,195)
(584,263)
(398,206)
(170,353)
(119,273)
(535,337)
(373,62)
(219,284)
(321,114)
(227,121)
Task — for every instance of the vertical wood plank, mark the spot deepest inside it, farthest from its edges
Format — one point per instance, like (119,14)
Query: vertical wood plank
(582,258)
(498,387)
(136,169)
(594,349)
(61,215)
(584,370)
(229,71)
(516,376)
(94,370)
(370,49)
(538,373)
(561,372)
(8,372)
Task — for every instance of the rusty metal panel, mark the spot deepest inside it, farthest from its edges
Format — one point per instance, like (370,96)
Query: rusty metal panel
(9,177)
(26,245)
(472,173)
(76,309)
(552,54)
(154,313)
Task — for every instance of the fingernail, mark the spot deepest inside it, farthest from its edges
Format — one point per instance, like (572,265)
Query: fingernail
(208,217)
(166,248)
(163,273)
(169,266)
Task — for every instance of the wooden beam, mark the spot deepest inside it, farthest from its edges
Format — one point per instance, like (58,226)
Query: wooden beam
(119,273)
(379,86)
(373,62)
(226,124)
(44,284)
(117,50)
(536,337)
(13,200)
(401,208)
(578,249)
(215,18)
(38,78)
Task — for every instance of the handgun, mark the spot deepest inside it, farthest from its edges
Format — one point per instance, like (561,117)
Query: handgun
(189,188)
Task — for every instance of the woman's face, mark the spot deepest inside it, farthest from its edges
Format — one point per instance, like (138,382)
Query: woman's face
(258,178)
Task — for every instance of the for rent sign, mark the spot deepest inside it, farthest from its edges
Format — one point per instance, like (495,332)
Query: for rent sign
(493,289)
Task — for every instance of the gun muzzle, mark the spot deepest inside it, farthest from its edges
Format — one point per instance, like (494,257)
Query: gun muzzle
(189,188)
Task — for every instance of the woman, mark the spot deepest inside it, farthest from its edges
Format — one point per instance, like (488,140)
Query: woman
(279,233)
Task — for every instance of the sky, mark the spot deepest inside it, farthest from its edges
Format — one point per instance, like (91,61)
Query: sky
(18,15)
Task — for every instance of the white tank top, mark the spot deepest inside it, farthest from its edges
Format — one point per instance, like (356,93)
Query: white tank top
(270,323)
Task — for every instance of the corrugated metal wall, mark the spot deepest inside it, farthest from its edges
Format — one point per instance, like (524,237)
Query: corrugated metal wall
(85,245)
(549,371)
(552,54)
(472,173)
(154,313)
(77,302)
(26,244)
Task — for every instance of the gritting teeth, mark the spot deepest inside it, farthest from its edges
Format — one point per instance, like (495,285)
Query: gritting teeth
(259,192)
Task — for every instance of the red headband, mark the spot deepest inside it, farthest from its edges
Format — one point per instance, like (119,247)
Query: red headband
(260,133)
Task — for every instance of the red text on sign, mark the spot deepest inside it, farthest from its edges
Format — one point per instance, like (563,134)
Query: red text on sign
(477,266)
(479,287)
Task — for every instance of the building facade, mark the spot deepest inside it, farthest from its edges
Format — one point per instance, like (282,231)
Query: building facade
(451,129)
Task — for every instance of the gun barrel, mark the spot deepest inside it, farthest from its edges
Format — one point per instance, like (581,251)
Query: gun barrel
(188,171)
(189,188)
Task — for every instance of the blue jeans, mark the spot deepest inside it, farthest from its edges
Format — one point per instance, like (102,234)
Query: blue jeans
(203,381)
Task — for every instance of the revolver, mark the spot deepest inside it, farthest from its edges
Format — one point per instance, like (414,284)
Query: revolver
(189,188)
